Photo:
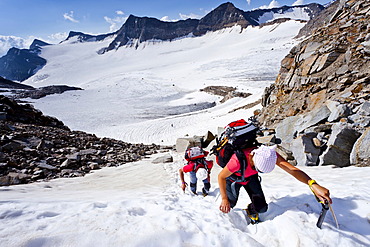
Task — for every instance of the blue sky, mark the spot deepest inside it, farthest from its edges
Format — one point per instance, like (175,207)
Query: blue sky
(53,19)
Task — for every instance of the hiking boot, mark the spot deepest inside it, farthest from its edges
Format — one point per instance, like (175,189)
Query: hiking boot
(253,217)
(205,192)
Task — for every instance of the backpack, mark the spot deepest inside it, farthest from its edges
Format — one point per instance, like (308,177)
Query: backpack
(197,155)
(237,136)
(194,153)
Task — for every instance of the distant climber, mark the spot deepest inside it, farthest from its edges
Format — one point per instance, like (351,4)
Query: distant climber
(198,168)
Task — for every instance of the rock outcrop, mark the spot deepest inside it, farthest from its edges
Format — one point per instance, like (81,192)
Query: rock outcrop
(37,93)
(34,147)
(322,91)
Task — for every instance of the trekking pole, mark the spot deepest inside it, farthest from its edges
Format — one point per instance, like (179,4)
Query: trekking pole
(218,195)
(334,217)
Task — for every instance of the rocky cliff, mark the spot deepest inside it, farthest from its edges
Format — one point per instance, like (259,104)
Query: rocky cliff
(320,103)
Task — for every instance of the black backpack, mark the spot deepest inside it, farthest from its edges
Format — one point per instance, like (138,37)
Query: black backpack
(237,136)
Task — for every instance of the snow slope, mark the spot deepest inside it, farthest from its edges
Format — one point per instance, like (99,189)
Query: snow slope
(133,95)
(138,94)
(141,204)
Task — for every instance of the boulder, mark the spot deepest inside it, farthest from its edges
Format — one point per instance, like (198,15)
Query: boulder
(337,110)
(312,118)
(360,154)
(339,145)
(304,150)
(360,120)
(290,127)
(43,165)
(285,130)
(163,159)
(182,144)
(364,109)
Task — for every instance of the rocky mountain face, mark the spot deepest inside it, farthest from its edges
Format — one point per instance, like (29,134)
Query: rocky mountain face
(320,102)
(35,147)
(144,28)
(140,29)
(20,64)
(226,15)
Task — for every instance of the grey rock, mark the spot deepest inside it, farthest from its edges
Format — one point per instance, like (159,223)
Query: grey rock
(286,130)
(182,144)
(88,151)
(360,120)
(337,110)
(74,156)
(65,163)
(360,154)
(101,152)
(46,166)
(304,150)
(163,159)
(285,153)
(339,145)
(14,146)
(94,166)
(312,118)
(364,109)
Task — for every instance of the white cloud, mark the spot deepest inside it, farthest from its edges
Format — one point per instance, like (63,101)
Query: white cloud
(115,23)
(57,37)
(166,18)
(249,2)
(273,4)
(120,12)
(7,42)
(192,16)
(298,2)
(69,17)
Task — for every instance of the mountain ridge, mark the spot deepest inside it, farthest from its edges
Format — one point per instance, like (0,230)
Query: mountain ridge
(225,15)
(140,29)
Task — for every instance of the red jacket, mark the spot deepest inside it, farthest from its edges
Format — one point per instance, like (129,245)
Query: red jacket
(191,166)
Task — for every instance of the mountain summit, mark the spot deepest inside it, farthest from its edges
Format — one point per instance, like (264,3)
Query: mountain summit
(226,15)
